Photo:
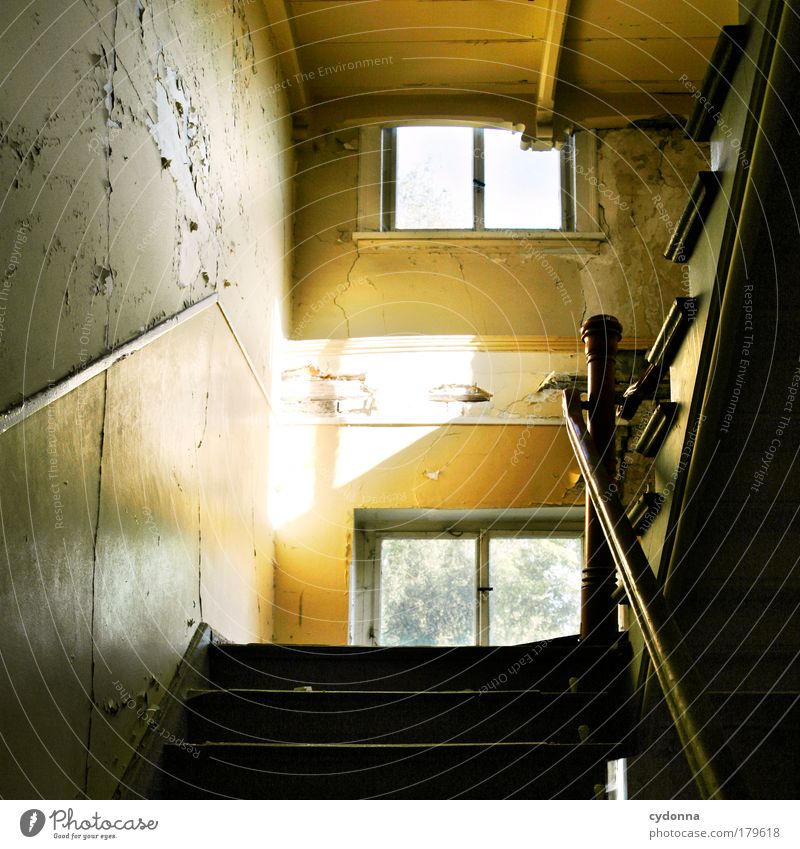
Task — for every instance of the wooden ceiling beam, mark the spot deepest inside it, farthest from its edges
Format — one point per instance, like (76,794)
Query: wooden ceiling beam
(548,75)
(282,29)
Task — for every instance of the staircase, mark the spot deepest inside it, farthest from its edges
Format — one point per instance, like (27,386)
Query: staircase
(534,721)
(720,534)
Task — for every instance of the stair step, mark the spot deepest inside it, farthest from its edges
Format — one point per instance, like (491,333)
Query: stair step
(280,771)
(541,666)
(281,716)
(531,721)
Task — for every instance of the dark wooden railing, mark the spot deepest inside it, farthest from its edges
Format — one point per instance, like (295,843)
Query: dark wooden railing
(601,335)
(688,704)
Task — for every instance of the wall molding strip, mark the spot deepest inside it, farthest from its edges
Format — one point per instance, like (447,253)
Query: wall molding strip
(18,412)
(447,344)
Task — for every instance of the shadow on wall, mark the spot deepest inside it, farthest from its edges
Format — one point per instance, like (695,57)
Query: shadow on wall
(132,508)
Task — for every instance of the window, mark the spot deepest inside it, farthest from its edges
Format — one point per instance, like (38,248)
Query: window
(417,182)
(486,580)
(460,178)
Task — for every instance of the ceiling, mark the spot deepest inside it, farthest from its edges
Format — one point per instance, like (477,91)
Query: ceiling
(538,64)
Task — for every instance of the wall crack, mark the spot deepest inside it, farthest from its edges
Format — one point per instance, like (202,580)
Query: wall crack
(344,291)
(92,694)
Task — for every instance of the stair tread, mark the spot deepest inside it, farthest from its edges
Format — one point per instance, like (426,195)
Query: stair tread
(535,770)
(540,666)
(221,744)
(344,716)
(302,721)
(570,644)
(486,694)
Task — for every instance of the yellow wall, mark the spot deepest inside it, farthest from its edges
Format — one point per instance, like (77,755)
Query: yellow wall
(133,509)
(328,471)
(517,316)
(505,290)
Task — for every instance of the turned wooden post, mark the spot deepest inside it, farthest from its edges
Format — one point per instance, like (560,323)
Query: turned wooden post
(601,335)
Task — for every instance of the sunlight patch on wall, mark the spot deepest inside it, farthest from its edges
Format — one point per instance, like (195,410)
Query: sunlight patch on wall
(352,462)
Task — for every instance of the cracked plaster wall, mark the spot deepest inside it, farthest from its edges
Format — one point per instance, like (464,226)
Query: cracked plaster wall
(339,291)
(145,163)
(516,461)
(145,156)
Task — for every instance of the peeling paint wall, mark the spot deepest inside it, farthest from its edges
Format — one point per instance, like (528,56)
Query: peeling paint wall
(133,509)
(146,162)
(645,177)
(183,535)
(435,380)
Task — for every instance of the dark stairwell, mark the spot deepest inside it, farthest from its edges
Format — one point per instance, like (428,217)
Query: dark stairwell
(349,722)
(730,571)
(283,721)
(722,550)
(534,721)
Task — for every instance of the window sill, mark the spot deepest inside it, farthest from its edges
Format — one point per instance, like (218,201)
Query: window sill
(548,241)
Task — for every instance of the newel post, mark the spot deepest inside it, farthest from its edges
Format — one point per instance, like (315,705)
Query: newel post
(601,334)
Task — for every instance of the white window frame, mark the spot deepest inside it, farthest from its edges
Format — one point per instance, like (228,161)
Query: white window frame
(579,201)
(373,526)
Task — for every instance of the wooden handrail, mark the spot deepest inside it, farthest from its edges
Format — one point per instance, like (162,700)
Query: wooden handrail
(686,700)
(716,84)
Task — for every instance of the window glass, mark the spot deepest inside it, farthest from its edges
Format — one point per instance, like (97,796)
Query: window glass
(523,187)
(434,172)
(427,592)
(439,172)
(536,593)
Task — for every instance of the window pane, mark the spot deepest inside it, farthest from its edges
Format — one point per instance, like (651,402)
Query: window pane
(427,592)
(434,178)
(536,592)
(523,187)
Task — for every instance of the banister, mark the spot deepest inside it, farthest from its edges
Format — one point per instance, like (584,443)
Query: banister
(601,335)
(716,84)
(686,700)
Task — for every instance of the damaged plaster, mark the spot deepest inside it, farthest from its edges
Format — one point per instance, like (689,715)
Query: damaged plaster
(150,164)
(145,164)
(346,290)
(411,319)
